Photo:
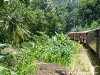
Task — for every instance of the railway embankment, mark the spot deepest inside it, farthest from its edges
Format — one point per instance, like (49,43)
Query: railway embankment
(85,62)
(94,59)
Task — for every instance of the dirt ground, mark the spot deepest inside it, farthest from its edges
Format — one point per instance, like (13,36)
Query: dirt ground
(50,69)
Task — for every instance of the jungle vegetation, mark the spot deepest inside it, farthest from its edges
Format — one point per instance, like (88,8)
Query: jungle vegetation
(36,28)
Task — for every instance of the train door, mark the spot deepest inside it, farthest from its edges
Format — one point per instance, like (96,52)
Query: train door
(92,40)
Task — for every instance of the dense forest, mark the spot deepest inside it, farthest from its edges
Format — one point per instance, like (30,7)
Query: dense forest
(35,27)
(46,16)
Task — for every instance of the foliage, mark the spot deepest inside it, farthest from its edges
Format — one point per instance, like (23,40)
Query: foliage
(38,4)
(80,12)
(37,21)
(5,71)
(2,46)
(34,20)
(21,61)
(13,28)
(26,2)
(19,21)
(5,58)
(1,3)
(58,49)
(54,19)
(89,10)
(25,63)
(28,17)
(94,24)
(46,5)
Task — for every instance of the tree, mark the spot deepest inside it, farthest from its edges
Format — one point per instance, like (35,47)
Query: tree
(37,21)
(46,5)
(89,10)
(26,2)
(14,27)
(51,21)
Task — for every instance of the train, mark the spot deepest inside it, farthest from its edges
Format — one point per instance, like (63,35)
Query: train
(90,38)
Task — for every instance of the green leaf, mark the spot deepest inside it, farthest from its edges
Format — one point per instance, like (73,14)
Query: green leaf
(1,57)
(3,70)
(13,73)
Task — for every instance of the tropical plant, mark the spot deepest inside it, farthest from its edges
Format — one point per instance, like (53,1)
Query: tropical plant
(21,61)
(58,49)
(14,27)
(25,62)
(95,24)
(6,71)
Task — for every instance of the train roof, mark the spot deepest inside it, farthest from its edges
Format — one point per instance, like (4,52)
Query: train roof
(86,31)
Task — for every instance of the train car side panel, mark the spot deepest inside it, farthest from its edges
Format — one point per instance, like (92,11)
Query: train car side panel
(92,40)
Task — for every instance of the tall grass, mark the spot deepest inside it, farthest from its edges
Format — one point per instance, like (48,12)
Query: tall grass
(81,63)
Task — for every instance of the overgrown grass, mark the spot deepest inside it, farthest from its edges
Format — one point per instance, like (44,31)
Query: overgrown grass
(81,63)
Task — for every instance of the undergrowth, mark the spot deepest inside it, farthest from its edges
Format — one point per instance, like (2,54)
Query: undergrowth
(20,62)
(57,49)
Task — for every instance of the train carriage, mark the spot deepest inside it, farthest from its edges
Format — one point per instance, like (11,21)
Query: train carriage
(90,38)
(74,35)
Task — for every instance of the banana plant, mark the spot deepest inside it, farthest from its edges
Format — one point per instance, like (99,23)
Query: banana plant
(6,71)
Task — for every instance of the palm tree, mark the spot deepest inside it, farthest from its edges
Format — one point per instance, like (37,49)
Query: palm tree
(14,26)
